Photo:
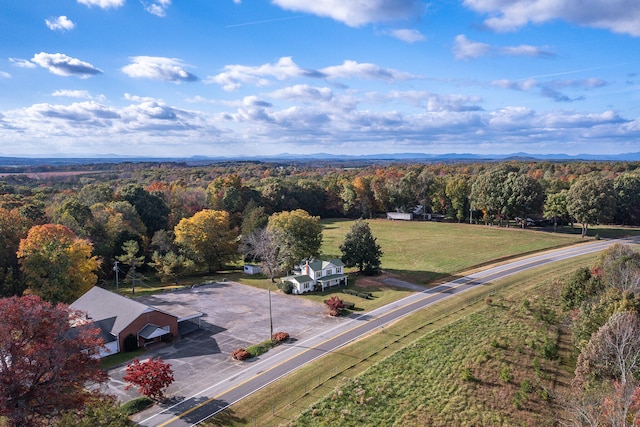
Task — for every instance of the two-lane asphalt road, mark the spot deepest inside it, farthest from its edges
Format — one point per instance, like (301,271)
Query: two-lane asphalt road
(217,397)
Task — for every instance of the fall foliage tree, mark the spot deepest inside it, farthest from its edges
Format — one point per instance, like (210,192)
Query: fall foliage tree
(591,200)
(12,229)
(334,306)
(299,234)
(152,209)
(457,190)
(487,193)
(523,195)
(56,264)
(207,237)
(627,189)
(45,363)
(555,207)
(151,377)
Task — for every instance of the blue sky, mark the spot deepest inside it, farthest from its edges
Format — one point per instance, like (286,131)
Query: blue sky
(251,77)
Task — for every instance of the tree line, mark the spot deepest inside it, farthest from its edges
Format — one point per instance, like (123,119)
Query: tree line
(167,208)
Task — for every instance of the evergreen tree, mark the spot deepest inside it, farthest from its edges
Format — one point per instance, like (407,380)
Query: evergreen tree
(131,258)
(360,248)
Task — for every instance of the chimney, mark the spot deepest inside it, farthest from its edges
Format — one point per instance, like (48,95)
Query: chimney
(306,267)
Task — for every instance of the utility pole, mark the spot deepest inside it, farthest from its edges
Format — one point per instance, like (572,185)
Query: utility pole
(133,276)
(116,269)
(270,315)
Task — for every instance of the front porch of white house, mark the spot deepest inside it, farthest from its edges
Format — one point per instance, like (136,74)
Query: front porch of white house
(326,282)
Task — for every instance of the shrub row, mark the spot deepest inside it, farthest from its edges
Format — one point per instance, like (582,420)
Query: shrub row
(364,295)
(258,349)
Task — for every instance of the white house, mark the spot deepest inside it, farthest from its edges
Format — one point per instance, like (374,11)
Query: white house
(317,275)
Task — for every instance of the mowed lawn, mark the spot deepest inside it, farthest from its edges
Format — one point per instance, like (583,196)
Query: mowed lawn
(421,252)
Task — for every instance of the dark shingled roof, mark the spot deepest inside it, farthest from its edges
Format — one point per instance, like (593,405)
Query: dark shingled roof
(111,311)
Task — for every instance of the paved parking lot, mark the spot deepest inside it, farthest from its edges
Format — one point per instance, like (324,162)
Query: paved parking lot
(234,315)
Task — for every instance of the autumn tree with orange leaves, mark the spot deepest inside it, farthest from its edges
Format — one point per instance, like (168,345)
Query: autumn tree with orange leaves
(57,265)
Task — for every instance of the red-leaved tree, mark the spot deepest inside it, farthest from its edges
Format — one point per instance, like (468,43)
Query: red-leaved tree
(334,305)
(151,377)
(45,363)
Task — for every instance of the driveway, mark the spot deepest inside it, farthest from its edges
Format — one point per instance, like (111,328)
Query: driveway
(234,315)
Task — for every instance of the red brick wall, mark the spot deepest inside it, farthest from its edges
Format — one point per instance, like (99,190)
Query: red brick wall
(155,317)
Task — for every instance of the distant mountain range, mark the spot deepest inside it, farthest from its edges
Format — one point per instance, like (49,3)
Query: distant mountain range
(398,157)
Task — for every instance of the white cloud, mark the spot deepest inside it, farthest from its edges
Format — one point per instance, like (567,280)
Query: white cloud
(61,23)
(63,65)
(5,75)
(77,112)
(357,13)
(79,94)
(157,7)
(304,93)
(235,76)
(136,98)
(158,68)
(149,124)
(449,123)
(351,69)
(620,16)
(82,94)
(407,35)
(103,4)
(454,103)
(523,85)
(550,89)
(22,63)
(464,48)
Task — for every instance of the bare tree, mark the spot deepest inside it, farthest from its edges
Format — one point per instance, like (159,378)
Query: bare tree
(612,359)
(613,351)
(584,408)
(263,246)
(621,267)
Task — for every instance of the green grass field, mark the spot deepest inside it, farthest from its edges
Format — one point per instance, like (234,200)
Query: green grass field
(421,252)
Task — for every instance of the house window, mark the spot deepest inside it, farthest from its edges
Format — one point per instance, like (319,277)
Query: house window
(338,270)
(329,272)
